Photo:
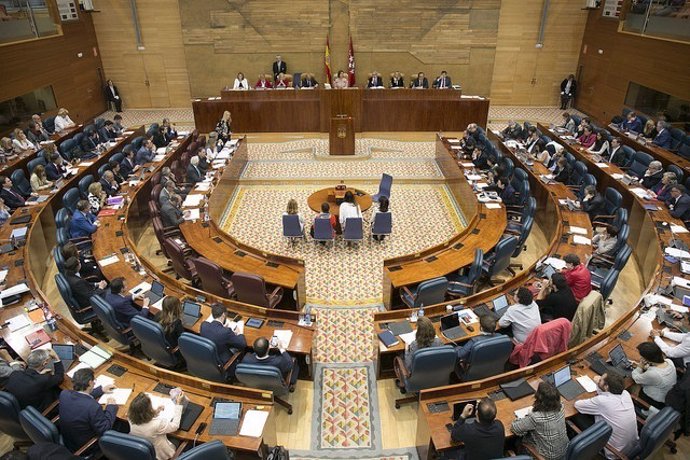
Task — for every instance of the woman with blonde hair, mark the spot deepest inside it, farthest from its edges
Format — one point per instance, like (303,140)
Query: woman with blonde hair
(425,337)
(292,210)
(39,181)
(155,423)
(6,150)
(22,144)
(96,197)
(223,127)
(63,121)
(649,131)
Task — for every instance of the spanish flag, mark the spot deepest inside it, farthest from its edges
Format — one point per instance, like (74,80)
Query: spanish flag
(327,61)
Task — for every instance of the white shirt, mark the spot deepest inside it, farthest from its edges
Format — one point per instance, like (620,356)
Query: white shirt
(656,381)
(348,210)
(62,123)
(604,148)
(616,410)
(523,318)
(682,350)
(245,84)
(22,146)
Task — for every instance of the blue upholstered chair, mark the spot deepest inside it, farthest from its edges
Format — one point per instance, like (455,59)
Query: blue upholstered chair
(487,358)
(384,188)
(153,343)
(119,446)
(265,378)
(430,368)
(429,292)
(203,360)
(464,285)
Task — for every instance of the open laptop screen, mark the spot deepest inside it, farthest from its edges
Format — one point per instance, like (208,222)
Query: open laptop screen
(449,321)
(191,308)
(561,376)
(227,410)
(157,287)
(500,303)
(617,355)
(64,352)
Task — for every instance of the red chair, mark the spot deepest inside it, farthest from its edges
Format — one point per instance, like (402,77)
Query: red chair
(212,278)
(251,289)
(182,265)
(543,342)
(156,193)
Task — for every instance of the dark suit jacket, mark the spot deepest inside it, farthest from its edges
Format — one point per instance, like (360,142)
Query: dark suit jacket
(82,225)
(663,139)
(223,337)
(399,83)
(282,361)
(82,418)
(111,190)
(34,389)
(13,199)
(50,451)
(447,83)
(203,165)
(634,125)
(194,175)
(653,180)
(144,155)
(595,206)
(512,133)
(508,195)
(416,83)
(681,207)
(377,83)
(282,68)
(36,137)
(125,308)
(573,87)
(480,441)
(82,290)
(617,157)
(563,175)
(89,144)
(171,216)
(126,168)
(109,94)
(53,172)
(309,83)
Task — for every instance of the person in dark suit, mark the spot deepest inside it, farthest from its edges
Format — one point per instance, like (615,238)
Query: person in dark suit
(204,164)
(480,158)
(146,152)
(81,416)
(568,90)
(89,144)
(556,299)
(397,80)
(512,131)
(13,199)
(83,223)
(375,81)
(482,439)
(652,176)
(506,191)
(308,81)
(169,130)
(39,384)
(171,214)
(593,203)
(167,192)
(113,96)
(116,170)
(107,132)
(562,172)
(82,290)
(218,332)
(109,184)
(124,306)
(632,123)
(194,174)
(35,134)
(443,81)
(420,82)
(616,153)
(128,165)
(282,360)
(54,168)
(159,139)
(679,204)
(279,66)
(663,137)
(487,326)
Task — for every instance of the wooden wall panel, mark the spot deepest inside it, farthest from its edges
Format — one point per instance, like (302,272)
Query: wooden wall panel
(155,77)
(658,64)
(54,61)
(524,74)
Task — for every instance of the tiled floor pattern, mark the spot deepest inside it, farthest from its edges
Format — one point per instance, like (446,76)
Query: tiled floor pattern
(344,335)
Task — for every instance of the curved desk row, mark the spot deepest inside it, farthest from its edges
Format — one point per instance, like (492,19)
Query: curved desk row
(30,263)
(647,242)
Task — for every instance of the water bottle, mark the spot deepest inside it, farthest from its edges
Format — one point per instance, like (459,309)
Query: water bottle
(50,319)
(307,318)
(420,312)
(206,215)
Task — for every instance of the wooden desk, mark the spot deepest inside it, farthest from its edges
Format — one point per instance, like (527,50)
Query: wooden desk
(372,110)
(327,195)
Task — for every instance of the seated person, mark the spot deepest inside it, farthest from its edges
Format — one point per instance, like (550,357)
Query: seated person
(7,152)
(292,210)
(341,80)
(655,374)
(194,174)
(96,197)
(506,191)
(568,123)
(39,180)
(663,137)
(532,139)
(678,204)
(593,203)
(632,123)
(172,214)
(107,133)
(512,131)
(63,121)
(282,81)
(83,223)
(167,192)
(680,352)
(81,416)
(169,131)
(240,82)
(326,214)
(154,424)
(82,290)
(583,124)
(522,317)
(8,365)
(425,337)
(118,127)
(349,208)
(542,153)
(382,209)
(563,171)
(12,197)
(487,329)
(578,277)
(89,268)
(375,80)
(308,81)
(36,134)
(613,405)
(600,146)
(616,153)
(90,142)
(146,153)
(649,131)
(397,80)
(588,138)
(420,82)
(604,241)
(227,340)
(282,360)
(170,319)
(39,384)
(55,168)
(21,144)
(652,176)
(204,166)
(484,439)
(443,81)
(128,165)
(123,305)
(480,157)
(158,138)
(109,183)
(662,190)
(263,83)
(556,299)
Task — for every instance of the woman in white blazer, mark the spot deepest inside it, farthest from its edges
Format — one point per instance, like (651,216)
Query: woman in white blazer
(155,423)
(240,82)
(63,121)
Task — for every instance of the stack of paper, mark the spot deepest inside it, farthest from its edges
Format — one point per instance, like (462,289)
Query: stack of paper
(158,158)
(558,264)
(121,395)
(253,423)
(678,229)
(578,230)
(140,288)
(193,214)
(677,253)
(202,187)
(587,383)
(467,164)
(579,239)
(192,200)
(520,413)
(95,357)
(284,336)
(108,260)
(409,337)
(453,140)
(18,322)
(103,381)
(493,206)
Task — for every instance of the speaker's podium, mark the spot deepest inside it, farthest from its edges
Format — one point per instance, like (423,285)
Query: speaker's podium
(341,140)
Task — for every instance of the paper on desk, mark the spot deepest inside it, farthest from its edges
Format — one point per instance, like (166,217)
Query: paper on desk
(587,383)
(158,158)
(20,288)
(18,322)
(642,193)
(140,288)
(467,164)
(558,264)
(679,308)
(481,185)
(121,396)
(108,260)
(618,176)
(680,281)
(3,275)
(456,147)
(492,205)
(284,336)
(84,164)
(103,381)
(192,200)
(202,187)
(678,253)
(409,337)
(193,214)
(579,239)
(473,177)
(453,140)
(678,229)
(602,165)
(253,423)
(521,413)
(578,230)
(95,356)
(70,374)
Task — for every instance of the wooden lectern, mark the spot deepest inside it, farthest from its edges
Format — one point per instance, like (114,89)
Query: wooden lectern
(341,140)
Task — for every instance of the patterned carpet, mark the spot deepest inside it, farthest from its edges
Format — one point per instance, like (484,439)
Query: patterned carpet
(345,335)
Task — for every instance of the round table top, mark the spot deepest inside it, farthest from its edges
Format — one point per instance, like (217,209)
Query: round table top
(314,201)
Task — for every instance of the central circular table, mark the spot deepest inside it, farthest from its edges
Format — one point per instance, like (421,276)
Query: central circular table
(314,201)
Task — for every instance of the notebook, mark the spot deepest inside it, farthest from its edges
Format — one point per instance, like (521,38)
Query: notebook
(517,389)
(388,338)
(400,328)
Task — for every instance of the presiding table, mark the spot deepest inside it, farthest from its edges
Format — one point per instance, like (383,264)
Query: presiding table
(327,195)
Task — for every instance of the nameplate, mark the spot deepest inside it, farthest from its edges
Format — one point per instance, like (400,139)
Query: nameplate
(430,259)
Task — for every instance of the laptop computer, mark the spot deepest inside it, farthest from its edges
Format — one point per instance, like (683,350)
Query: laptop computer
(65,353)
(620,360)
(458,407)
(664,318)
(226,418)
(500,306)
(546,271)
(450,327)
(191,312)
(156,292)
(568,387)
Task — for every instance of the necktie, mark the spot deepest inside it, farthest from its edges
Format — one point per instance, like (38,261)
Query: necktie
(443,82)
